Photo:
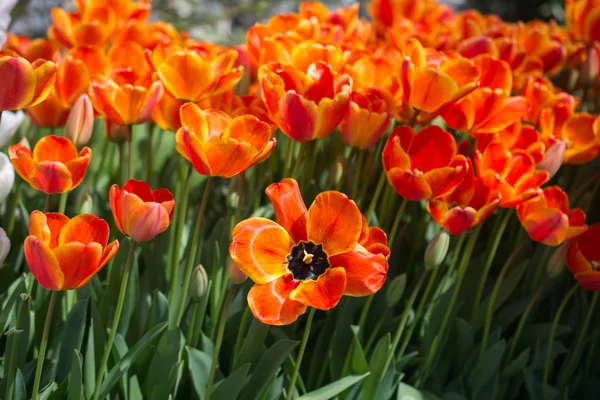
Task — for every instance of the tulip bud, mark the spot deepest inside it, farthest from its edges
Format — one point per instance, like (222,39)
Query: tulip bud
(437,249)
(199,285)
(7,177)
(4,246)
(336,172)
(554,158)
(115,132)
(235,274)
(87,205)
(395,290)
(557,263)
(25,142)
(590,68)
(80,123)
(9,123)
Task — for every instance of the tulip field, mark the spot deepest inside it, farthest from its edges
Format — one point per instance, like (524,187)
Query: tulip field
(399,201)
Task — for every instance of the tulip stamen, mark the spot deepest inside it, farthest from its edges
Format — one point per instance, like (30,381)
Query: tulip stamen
(307,261)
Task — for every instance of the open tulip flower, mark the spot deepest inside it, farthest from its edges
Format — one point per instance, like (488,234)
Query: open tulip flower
(218,145)
(548,219)
(308,258)
(583,19)
(368,118)
(126,104)
(65,253)
(578,134)
(139,212)
(423,165)
(24,84)
(55,166)
(583,258)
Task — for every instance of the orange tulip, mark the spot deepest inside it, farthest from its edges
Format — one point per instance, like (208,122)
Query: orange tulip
(368,118)
(578,134)
(166,112)
(583,258)
(306,105)
(63,253)
(471,203)
(548,219)
(50,113)
(22,84)
(92,27)
(516,137)
(583,19)
(309,258)
(423,165)
(54,166)
(218,145)
(126,104)
(513,174)
(31,50)
(139,212)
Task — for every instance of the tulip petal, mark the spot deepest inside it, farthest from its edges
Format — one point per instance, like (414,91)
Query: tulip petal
(54,148)
(109,252)
(84,228)
(22,160)
(43,264)
(270,302)
(434,90)
(365,271)
(260,248)
(290,210)
(325,292)
(334,221)
(78,166)
(51,177)
(78,262)
(146,221)
(17,83)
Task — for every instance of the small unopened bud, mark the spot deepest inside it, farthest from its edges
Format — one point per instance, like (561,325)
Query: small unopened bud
(554,158)
(80,123)
(25,142)
(235,274)
(557,263)
(395,290)
(87,205)
(199,284)
(7,177)
(4,246)
(590,68)
(437,249)
(115,132)
(336,172)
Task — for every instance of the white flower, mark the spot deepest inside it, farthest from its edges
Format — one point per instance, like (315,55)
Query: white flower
(4,245)
(6,6)
(7,177)
(9,123)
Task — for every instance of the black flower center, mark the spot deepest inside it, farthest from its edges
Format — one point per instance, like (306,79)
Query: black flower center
(307,261)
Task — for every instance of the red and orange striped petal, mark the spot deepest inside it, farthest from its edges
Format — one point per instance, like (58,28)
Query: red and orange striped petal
(78,166)
(431,90)
(548,226)
(260,248)
(190,146)
(84,228)
(43,264)
(410,185)
(146,221)
(334,221)
(270,302)
(77,261)
(324,293)
(365,271)
(290,210)
(22,160)
(54,148)
(51,177)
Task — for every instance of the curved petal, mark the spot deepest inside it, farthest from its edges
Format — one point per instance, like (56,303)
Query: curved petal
(290,209)
(325,292)
(22,159)
(109,252)
(270,302)
(260,248)
(78,166)
(334,221)
(84,228)
(190,146)
(365,271)
(51,177)
(411,186)
(43,264)
(548,226)
(146,221)
(78,262)
(54,148)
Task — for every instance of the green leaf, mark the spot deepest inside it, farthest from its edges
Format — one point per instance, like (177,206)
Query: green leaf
(199,364)
(75,378)
(535,388)
(358,361)
(163,368)
(253,346)
(488,367)
(230,387)
(20,390)
(266,368)
(124,363)
(89,363)
(72,337)
(516,366)
(333,389)
(407,392)
(376,364)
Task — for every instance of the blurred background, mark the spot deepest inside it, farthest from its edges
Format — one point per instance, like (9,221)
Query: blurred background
(226,21)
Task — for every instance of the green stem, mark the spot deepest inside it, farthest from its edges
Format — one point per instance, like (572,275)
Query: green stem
(219,341)
(375,198)
(130,154)
(364,314)
(122,163)
(179,225)
(309,320)
(43,346)
(150,156)
(397,221)
(47,204)
(239,341)
(559,312)
(104,155)
(523,320)
(491,253)
(190,265)
(289,157)
(574,355)
(117,317)
(360,161)
(12,209)
(492,301)
(62,204)
(376,330)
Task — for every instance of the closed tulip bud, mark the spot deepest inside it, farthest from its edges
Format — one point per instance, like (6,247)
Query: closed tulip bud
(199,285)
(395,290)
(554,158)
(4,246)
(9,123)
(336,172)
(7,177)
(235,274)
(437,249)
(80,123)
(557,263)
(590,68)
